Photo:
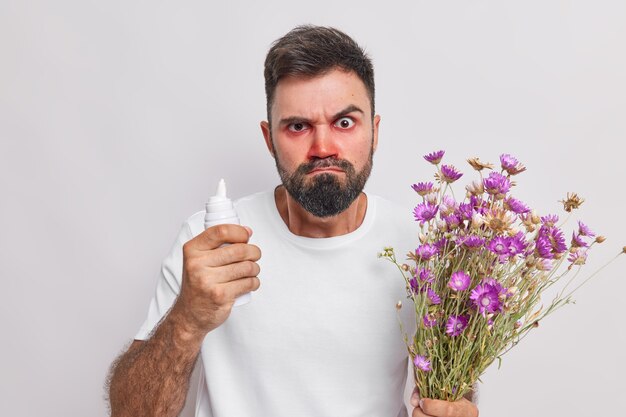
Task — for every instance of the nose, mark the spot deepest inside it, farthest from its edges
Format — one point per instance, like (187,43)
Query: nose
(323,144)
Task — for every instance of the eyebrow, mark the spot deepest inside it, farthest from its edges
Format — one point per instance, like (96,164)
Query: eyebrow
(296,119)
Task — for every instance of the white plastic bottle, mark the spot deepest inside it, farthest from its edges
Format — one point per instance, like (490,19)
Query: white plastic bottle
(220,210)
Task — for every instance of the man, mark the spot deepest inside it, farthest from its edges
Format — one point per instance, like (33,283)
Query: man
(321,337)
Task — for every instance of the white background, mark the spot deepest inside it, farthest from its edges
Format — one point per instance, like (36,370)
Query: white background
(117,119)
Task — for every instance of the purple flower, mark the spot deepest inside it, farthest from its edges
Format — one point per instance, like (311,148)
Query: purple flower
(510,164)
(447,206)
(578,256)
(497,184)
(544,264)
(550,242)
(422,188)
(421,363)
(433,297)
(424,212)
(473,242)
(516,206)
(550,220)
(496,286)
(434,157)
(449,173)
(500,246)
(583,230)
(452,221)
(425,252)
(429,321)
(459,281)
(415,286)
(424,275)
(441,244)
(578,241)
(517,244)
(456,324)
(486,299)
(466,211)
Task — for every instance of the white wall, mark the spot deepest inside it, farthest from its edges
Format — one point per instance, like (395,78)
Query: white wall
(118,117)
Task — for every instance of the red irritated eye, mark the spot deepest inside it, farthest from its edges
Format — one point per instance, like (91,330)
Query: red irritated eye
(344,123)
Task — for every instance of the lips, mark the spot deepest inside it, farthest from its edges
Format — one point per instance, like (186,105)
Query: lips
(325,169)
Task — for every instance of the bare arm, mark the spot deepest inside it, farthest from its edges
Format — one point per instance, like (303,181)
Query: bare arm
(152,377)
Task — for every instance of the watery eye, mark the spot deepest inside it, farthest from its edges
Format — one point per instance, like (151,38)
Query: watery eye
(297,127)
(345,123)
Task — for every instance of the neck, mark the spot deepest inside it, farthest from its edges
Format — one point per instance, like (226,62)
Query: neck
(302,223)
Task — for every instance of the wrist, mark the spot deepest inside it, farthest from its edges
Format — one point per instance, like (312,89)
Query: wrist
(185,332)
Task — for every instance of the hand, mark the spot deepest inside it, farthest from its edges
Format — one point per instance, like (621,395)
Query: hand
(214,275)
(438,408)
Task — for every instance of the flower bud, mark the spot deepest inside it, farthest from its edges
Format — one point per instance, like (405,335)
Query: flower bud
(405,267)
(399,305)
(600,239)
(624,249)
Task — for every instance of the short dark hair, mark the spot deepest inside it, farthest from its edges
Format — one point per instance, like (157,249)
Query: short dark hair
(310,51)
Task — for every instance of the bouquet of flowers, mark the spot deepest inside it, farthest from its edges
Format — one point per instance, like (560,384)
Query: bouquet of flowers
(477,276)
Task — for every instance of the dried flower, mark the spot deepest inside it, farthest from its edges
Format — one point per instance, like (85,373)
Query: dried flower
(516,206)
(511,165)
(422,188)
(578,256)
(479,166)
(425,251)
(425,212)
(583,230)
(572,202)
(499,221)
(421,363)
(448,174)
(399,305)
(472,242)
(497,184)
(434,157)
(433,297)
(482,263)
(456,324)
(475,188)
(429,321)
(459,281)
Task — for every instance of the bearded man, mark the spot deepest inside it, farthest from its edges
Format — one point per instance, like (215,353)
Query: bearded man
(320,337)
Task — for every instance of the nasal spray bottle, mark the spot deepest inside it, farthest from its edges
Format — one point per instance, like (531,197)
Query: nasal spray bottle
(220,210)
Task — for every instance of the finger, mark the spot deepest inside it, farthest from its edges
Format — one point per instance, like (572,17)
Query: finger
(415,398)
(231,254)
(459,408)
(216,236)
(418,412)
(239,270)
(242,286)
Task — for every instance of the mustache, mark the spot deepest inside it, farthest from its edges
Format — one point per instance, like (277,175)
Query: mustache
(325,163)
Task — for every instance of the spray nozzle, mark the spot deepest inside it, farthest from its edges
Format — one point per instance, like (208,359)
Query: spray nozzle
(221,189)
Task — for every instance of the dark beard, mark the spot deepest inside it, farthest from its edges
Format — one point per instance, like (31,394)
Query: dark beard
(325,196)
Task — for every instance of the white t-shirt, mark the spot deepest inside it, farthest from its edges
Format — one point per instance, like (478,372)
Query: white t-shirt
(321,335)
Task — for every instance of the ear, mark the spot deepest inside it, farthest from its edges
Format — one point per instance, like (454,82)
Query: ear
(375,132)
(267,134)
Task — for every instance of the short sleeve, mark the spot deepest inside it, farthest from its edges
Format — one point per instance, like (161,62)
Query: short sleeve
(168,284)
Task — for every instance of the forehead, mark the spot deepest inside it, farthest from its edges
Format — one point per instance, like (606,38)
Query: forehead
(318,96)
